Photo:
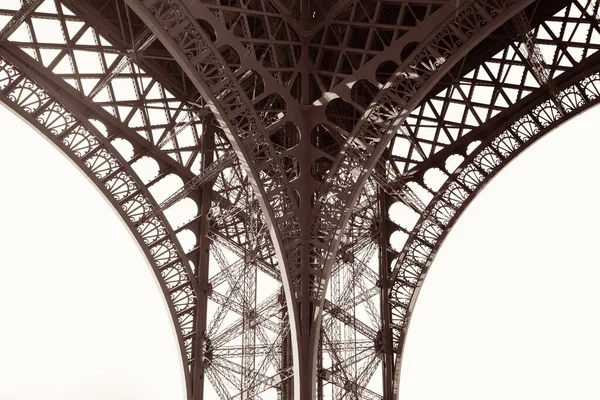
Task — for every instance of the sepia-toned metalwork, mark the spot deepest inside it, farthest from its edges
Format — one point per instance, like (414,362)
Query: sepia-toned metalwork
(290,168)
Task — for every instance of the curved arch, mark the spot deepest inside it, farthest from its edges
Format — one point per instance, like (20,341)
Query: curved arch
(404,90)
(71,265)
(499,273)
(505,142)
(239,113)
(161,124)
(242,92)
(80,141)
(370,137)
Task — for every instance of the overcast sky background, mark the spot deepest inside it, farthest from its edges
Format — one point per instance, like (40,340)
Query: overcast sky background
(509,309)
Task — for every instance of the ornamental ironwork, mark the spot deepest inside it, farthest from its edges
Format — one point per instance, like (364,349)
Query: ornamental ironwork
(290,169)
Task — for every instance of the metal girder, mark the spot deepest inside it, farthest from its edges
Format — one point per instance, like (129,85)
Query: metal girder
(500,144)
(19,17)
(65,122)
(207,174)
(490,147)
(202,259)
(149,220)
(305,267)
(349,136)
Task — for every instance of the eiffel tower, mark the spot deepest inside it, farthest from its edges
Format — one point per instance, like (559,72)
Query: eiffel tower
(291,167)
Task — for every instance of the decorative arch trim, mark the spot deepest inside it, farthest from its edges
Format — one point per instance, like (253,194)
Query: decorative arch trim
(80,141)
(502,143)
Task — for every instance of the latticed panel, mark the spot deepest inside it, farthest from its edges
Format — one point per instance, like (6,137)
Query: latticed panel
(495,85)
(460,137)
(132,104)
(155,134)
(86,142)
(268,35)
(78,50)
(355,36)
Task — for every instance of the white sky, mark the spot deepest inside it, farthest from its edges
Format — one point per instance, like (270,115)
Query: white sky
(508,310)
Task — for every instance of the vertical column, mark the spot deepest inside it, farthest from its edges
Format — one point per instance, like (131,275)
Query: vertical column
(202,273)
(286,390)
(310,277)
(385,226)
(248,299)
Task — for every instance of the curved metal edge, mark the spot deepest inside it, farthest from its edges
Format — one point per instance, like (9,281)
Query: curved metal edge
(410,104)
(481,150)
(229,128)
(30,120)
(453,58)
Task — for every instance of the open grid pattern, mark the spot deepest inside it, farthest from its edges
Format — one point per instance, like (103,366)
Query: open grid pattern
(290,170)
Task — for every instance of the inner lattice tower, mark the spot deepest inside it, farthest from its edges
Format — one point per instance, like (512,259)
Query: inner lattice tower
(290,168)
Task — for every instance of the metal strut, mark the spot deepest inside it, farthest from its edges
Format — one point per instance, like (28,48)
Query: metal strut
(292,242)
(396,187)
(19,17)
(205,176)
(533,55)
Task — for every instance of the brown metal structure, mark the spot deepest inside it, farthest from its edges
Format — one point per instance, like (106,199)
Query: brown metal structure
(290,168)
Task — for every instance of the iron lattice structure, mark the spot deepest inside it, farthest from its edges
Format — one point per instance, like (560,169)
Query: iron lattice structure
(290,168)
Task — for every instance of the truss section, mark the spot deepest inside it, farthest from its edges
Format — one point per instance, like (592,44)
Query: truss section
(251,105)
(246,315)
(368,116)
(111,70)
(350,347)
(268,31)
(515,115)
(358,32)
(85,142)
(491,87)
(291,168)
(168,228)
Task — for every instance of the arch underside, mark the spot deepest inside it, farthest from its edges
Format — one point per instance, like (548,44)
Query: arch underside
(117,101)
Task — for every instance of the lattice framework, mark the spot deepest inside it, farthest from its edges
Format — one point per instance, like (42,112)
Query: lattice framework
(291,170)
